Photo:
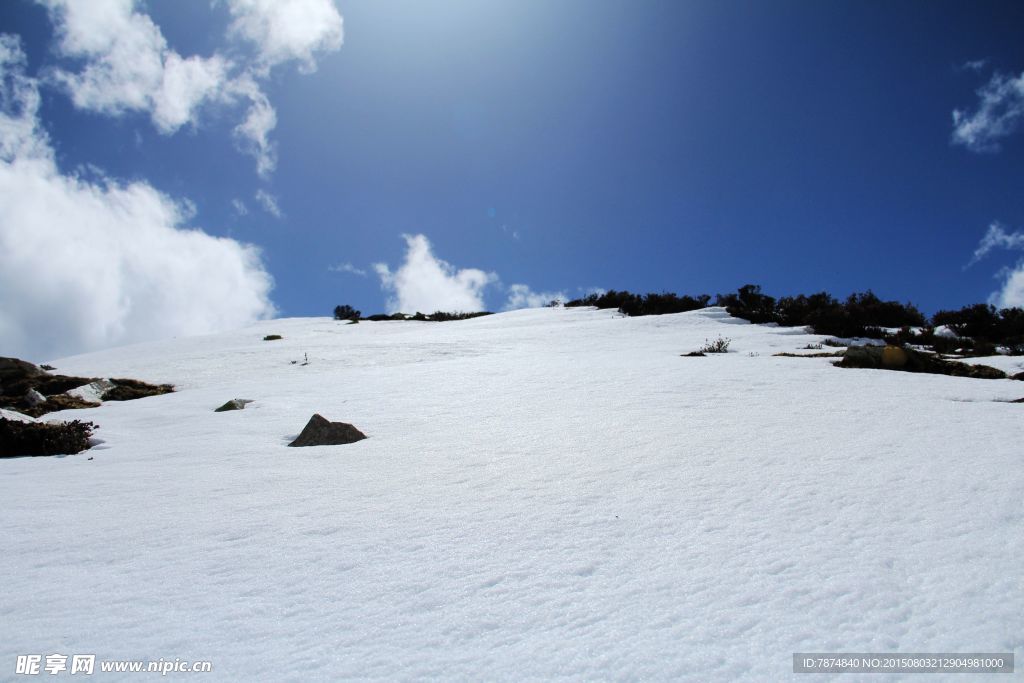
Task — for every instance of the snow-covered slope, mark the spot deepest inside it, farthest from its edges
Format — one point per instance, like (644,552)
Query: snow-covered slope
(550,493)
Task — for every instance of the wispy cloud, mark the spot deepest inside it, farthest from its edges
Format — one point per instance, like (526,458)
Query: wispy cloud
(92,262)
(127,65)
(348,268)
(1011,291)
(975,65)
(997,237)
(998,114)
(427,284)
(268,203)
(239,206)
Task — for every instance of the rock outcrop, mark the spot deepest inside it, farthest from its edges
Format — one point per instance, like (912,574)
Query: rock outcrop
(911,360)
(321,432)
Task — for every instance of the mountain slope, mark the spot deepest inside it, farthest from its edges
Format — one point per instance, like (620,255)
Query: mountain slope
(543,493)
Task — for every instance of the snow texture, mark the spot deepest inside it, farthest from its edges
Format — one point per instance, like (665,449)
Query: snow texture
(550,493)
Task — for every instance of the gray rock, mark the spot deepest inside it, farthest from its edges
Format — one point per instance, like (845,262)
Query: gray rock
(321,432)
(233,404)
(93,391)
(34,398)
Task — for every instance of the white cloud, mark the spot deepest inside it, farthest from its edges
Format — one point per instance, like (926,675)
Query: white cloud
(268,203)
(287,30)
(239,206)
(348,268)
(129,67)
(1011,293)
(426,284)
(996,237)
(521,296)
(999,113)
(91,263)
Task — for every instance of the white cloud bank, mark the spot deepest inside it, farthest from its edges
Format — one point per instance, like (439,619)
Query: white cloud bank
(86,264)
(999,113)
(521,296)
(426,284)
(129,67)
(283,31)
(1011,293)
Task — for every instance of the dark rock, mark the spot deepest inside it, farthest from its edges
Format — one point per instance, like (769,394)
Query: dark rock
(1019,375)
(693,354)
(130,389)
(233,404)
(321,432)
(910,360)
(1019,400)
(16,369)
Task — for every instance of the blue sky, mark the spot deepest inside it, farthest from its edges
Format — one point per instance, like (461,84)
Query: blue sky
(539,148)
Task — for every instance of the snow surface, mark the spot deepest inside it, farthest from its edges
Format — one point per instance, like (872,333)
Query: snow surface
(550,493)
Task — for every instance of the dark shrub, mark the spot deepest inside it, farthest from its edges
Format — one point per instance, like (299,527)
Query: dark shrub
(441,316)
(437,317)
(660,304)
(346,312)
(384,316)
(648,304)
(750,304)
(609,299)
(986,327)
(37,438)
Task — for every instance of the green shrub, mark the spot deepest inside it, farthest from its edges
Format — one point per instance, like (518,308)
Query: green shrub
(720,345)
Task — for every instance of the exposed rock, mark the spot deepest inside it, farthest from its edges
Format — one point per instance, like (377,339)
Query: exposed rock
(15,415)
(233,404)
(23,385)
(693,354)
(910,360)
(93,391)
(15,368)
(1019,375)
(321,432)
(130,389)
(894,358)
